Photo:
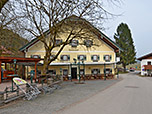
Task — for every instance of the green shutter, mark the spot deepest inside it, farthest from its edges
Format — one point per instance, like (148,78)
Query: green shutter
(68,57)
(92,71)
(78,57)
(98,71)
(104,57)
(98,57)
(92,57)
(77,42)
(110,57)
(61,57)
(85,57)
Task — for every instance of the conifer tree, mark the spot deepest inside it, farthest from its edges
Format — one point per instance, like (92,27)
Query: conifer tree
(123,38)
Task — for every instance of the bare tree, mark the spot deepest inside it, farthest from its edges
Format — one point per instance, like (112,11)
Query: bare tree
(55,17)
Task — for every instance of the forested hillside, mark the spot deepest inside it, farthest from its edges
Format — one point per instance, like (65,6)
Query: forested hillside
(11,41)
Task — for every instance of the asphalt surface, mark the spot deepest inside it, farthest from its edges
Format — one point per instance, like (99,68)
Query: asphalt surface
(132,95)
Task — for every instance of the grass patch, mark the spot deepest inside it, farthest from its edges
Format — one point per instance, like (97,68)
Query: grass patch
(123,72)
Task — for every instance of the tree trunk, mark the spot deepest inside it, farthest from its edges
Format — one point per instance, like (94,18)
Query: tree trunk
(45,65)
(124,66)
(2,3)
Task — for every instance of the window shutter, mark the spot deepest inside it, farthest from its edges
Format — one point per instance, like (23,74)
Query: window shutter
(98,71)
(98,57)
(110,70)
(68,57)
(84,42)
(61,57)
(85,57)
(92,71)
(110,57)
(61,41)
(77,42)
(92,57)
(78,57)
(70,42)
(104,57)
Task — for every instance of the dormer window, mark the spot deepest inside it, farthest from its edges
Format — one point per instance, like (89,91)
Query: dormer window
(95,58)
(74,43)
(107,58)
(88,43)
(58,42)
(65,57)
(36,56)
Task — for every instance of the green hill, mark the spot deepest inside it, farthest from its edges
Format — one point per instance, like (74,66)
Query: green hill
(11,41)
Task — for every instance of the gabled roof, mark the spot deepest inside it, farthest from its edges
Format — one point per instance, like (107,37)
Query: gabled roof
(99,34)
(148,56)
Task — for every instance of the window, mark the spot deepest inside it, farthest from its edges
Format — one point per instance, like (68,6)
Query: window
(74,43)
(65,72)
(149,62)
(52,72)
(88,43)
(107,58)
(81,71)
(58,41)
(81,57)
(35,56)
(95,71)
(65,57)
(95,58)
(108,71)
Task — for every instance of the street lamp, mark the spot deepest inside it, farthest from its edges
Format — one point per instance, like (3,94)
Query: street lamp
(15,61)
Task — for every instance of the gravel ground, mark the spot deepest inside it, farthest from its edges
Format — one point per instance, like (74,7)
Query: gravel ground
(48,103)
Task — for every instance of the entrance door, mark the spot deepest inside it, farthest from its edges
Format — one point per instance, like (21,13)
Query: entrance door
(74,73)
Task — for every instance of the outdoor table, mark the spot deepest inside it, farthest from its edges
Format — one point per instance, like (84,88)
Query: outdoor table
(12,76)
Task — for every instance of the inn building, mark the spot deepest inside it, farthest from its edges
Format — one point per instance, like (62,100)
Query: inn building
(87,59)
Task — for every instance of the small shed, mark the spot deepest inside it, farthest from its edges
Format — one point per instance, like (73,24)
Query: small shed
(18,60)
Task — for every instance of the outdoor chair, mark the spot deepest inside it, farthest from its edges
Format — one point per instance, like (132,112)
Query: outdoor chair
(31,92)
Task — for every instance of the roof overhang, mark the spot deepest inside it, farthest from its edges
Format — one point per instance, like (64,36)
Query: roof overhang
(148,56)
(85,63)
(18,60)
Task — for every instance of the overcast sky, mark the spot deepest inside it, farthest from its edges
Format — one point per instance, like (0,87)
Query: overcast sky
(137,14)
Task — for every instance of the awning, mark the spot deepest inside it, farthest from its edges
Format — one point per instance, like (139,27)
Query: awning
(85,63)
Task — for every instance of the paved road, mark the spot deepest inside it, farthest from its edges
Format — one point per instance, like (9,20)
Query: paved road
(133,95)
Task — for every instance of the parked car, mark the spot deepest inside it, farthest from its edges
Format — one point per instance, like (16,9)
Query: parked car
(132,69)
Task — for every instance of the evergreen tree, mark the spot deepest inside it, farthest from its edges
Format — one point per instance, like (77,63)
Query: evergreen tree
(124,39)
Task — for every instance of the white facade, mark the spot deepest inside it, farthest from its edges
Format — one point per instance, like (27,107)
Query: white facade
(144,62)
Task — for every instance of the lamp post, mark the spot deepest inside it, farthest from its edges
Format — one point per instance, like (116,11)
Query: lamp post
(104,72)
(14,65)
